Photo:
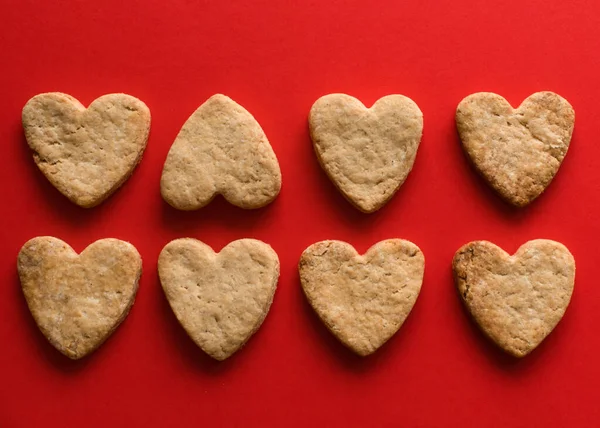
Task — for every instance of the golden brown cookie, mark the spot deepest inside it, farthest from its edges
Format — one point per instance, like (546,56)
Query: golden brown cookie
(517,151)
(76,300)
(516,300)
(221,149)
(220,299)
(363,300)
(86,154)
(367,153)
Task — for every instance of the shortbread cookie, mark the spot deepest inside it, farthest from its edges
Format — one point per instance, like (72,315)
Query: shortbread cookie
(221,149)
(86,153)
(517,151)
(367,153)
(363,300)
(220,299)
(516,300)
(76,300)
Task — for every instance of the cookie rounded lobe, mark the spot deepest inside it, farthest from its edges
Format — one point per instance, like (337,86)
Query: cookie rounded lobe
(221,149)
(78,300)
(366,153)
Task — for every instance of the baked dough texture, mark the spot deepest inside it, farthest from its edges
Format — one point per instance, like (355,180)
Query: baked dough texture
(220,299)
(87,154)
(78,300)
(517,151)
(366,152)
(516,300)
(362,299)
(221,149)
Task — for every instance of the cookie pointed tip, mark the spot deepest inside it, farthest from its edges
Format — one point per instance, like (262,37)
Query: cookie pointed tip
(364,206)
(364,352)
(220,356)
(72,354)
(518,201)
(518,353)
(220,98)
(76,357)
(87,203)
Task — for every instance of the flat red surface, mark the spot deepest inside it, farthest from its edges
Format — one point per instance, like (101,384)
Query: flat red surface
(276,59)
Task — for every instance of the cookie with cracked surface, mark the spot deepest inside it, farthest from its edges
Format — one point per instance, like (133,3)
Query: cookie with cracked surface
(362,299)
(220,299)
(76,300)
(516,300)
(366,152)
(221,149)
(517,151)
(87,154)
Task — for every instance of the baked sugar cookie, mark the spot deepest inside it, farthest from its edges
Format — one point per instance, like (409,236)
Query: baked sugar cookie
(516,300)
(220,299)
(221,149)
(366,152)
(517,151)
(76,300)
(362,299)
(86,154)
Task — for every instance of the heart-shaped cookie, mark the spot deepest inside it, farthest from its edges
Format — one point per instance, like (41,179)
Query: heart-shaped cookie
(367,153)
(220,299)
(363,300)
(516,300)
(221,149)
(76,300)
(86,153)
(517,151)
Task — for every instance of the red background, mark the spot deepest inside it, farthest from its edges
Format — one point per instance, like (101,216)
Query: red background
(276,59)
